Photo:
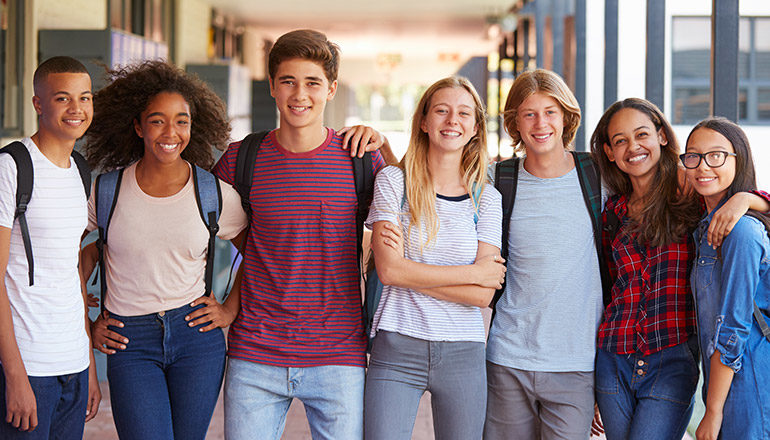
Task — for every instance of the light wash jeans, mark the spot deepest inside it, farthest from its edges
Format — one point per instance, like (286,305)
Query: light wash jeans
(402,368)
(257,397)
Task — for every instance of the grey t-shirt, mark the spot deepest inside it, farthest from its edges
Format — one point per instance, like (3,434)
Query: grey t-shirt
(549,314)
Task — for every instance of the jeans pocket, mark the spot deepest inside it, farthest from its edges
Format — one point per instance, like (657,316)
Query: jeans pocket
(606,373)
(676,375)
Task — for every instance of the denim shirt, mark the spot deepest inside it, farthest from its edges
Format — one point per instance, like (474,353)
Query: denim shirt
(725,283)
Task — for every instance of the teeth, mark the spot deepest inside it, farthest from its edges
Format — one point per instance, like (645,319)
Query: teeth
(638,158)
(298,108)
(705,179)
(73,121)
(450,133)
(541,137)
(168,147)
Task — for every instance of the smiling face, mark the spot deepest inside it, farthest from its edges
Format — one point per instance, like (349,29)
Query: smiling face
(165,127)
(450,121)
(634,145)
(301,91)
(711,183)
(540,122)
(63,102)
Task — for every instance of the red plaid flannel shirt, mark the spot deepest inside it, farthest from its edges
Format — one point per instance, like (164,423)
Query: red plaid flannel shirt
(651,307)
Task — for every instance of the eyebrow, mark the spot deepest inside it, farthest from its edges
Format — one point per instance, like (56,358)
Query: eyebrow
(307,78)
(525,109)
(163,114)
(637,128)
(63,92)
(448,105)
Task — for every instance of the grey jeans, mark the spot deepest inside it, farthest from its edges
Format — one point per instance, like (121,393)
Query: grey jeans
(538,405)
(402,368)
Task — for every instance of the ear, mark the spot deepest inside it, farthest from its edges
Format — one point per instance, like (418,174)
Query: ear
(138,128)
(475,130)
(663,140)
(272,90)
(332,90)
(608,152)
(37,105)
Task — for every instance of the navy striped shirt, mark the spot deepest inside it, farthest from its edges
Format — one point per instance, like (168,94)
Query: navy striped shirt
(300,298)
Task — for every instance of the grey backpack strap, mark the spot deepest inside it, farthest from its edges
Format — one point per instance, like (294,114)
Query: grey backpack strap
(762,322)
(208,195)
(106,190)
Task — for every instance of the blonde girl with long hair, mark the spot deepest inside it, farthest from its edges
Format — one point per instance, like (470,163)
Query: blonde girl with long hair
(429,329)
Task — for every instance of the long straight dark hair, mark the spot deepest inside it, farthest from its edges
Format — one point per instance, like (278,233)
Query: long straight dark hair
(745,174)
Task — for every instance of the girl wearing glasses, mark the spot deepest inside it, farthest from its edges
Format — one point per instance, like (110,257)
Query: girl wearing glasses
(646,368)
(731,286)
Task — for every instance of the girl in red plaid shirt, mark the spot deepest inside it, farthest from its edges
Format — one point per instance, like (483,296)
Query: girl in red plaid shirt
(646,364)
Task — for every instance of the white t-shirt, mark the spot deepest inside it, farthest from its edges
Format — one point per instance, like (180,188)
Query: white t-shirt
(49,316)
(413,313)
(156,246)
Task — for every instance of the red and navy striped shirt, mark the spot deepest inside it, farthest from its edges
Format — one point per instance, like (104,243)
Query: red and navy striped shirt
(300,298)
(651,307)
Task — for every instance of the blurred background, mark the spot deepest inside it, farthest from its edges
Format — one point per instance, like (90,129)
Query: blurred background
(692,58)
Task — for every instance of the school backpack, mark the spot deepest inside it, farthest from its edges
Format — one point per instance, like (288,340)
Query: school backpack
(506,181)
(208,196)
(363,177)
(24,184)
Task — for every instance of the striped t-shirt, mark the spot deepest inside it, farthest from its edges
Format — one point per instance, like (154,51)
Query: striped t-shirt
(413,313)
(48,317)
(300,297)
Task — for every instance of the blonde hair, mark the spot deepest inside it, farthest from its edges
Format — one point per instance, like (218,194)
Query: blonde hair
(418,182)
(550,84)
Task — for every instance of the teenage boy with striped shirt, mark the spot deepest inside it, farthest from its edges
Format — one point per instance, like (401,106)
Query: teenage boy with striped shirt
(299,331)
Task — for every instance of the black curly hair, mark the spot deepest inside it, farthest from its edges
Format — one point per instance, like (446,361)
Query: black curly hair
(111,141)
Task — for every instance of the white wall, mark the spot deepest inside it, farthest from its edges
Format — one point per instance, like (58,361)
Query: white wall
(71,14)
(594,101)
(193,21)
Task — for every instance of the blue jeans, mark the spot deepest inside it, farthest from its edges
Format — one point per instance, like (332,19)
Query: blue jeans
(402,368)
(257,397)
(61,407)
(647,397)
(165,384)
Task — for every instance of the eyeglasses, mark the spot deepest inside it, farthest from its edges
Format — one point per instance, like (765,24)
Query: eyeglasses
(714,159)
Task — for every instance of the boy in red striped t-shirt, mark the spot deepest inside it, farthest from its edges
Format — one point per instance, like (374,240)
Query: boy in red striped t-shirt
(299,331)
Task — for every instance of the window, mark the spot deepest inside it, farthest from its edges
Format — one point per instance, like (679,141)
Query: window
(691,66)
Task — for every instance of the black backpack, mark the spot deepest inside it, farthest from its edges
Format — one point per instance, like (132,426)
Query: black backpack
(24,184)
(363,176)
(506,181)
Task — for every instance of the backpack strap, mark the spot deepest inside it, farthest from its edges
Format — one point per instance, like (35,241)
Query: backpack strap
(208,195)
(761,321)
(363,179)
(476,198)
(244,167)
(24,185)
(106,190)
(506,181)
(84,170)
(591,187)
